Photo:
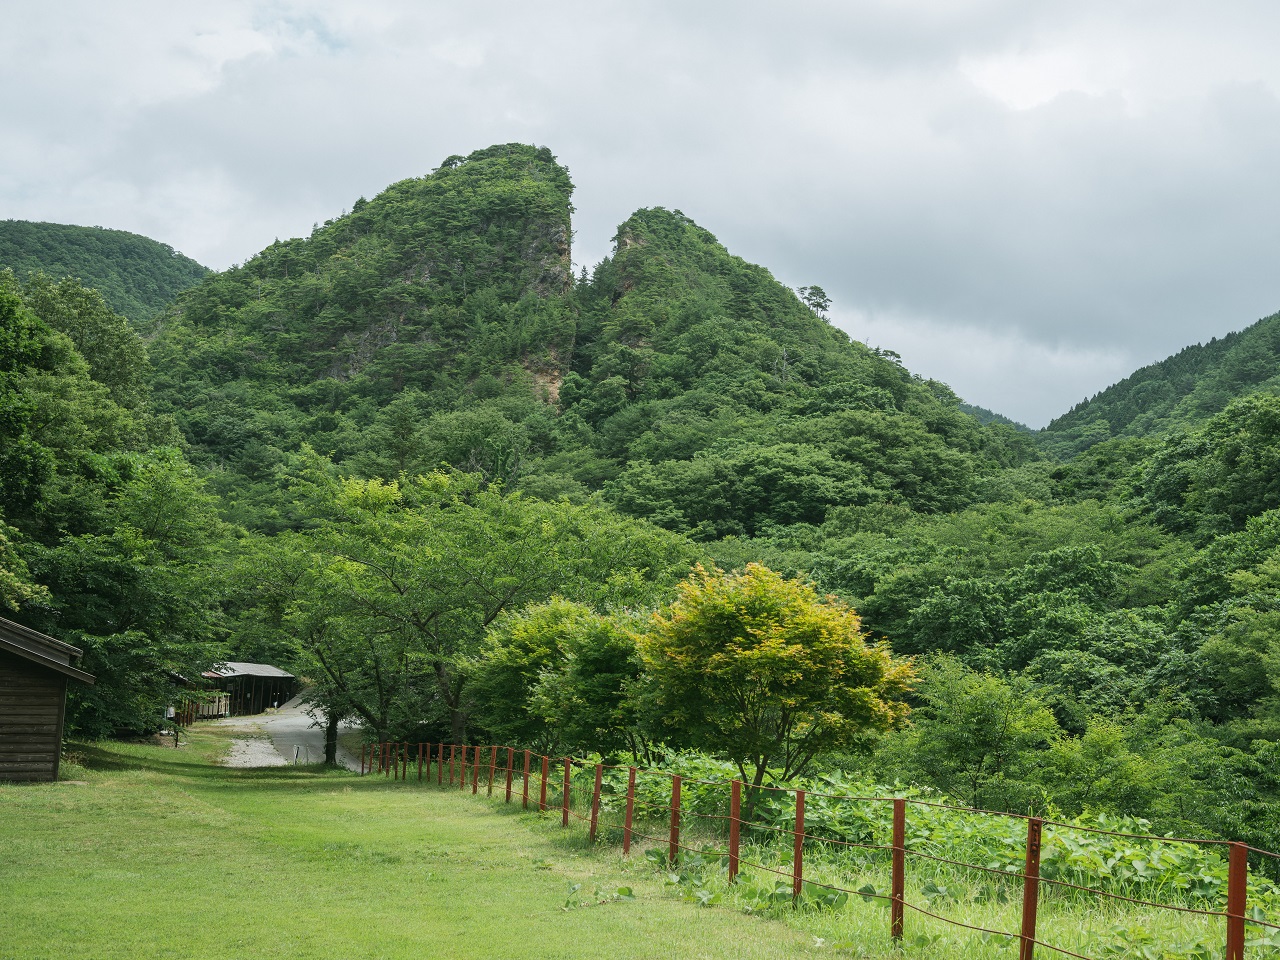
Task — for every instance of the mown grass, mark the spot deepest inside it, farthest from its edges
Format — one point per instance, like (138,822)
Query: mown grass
(161,853)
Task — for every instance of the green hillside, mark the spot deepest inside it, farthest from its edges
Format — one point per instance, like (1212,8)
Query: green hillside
(136,276)
(1181,390)
(438,323)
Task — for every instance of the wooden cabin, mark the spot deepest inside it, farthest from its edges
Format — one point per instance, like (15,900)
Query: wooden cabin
(252,687)
(34,670)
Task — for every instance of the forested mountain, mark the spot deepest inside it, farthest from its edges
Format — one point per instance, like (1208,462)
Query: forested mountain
(983,415)
(136,276)
(1179,391)
(438,323)
(416,460)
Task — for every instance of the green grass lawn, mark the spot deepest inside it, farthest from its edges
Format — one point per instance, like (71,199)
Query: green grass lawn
(161,853)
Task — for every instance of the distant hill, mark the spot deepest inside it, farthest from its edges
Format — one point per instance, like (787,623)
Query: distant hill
(983,415)
(1184,389)
(135,275)
(439,322)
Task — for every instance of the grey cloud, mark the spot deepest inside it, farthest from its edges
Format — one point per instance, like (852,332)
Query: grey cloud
(1126,212)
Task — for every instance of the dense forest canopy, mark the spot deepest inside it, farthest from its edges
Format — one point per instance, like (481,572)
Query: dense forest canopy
(1179,391)
(465,493)
(136,276)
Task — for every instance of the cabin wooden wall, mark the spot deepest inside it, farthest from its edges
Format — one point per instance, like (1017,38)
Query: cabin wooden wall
(32,704)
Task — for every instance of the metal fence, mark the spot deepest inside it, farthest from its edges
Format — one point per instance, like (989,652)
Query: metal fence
(562,782)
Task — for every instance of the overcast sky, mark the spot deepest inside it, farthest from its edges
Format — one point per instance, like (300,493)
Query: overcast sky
(1026,200)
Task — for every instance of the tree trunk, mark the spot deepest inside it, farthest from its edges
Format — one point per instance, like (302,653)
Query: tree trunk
(331,738)
(453,700)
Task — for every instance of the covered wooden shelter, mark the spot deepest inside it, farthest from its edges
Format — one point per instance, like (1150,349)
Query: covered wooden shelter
(252,687)
(34,670)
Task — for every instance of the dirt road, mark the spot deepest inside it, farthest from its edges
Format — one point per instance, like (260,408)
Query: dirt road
(290,737)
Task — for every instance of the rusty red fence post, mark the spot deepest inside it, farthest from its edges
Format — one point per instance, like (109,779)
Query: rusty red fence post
(564,814)
(898,883)
(631,807)
(493,766)
(419,763)
(797,864)
(1030,890)
(735,812)
(542,790)
(440,765)
(524,784)
(404,761)
(475,771)
(673,849)
(453,760)
(386,759)
(595,801)
(511,760)
(1237,889)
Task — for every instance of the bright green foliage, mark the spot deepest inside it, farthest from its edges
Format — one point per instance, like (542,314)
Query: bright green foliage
(1212,479)
(976,733)
(27,347)
(16,587)
(391,590)
(759,668)
(556,677)
(114,351)
(138,277)
(110,539)
(136,593)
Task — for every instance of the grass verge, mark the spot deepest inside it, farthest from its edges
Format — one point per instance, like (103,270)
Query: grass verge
(157,852)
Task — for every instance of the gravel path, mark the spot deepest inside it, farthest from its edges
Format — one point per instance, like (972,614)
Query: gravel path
(253,752)
(287,735)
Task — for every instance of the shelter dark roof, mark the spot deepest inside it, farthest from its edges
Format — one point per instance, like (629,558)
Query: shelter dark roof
(41,649)
(234,668)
